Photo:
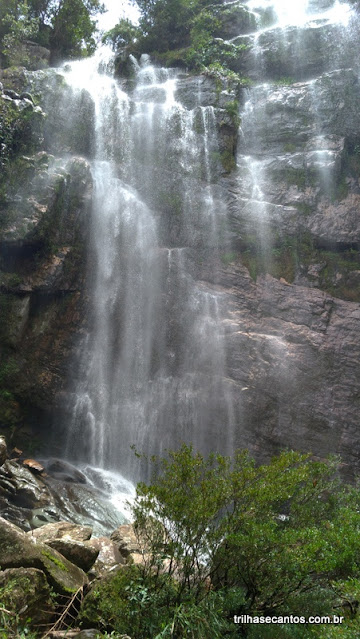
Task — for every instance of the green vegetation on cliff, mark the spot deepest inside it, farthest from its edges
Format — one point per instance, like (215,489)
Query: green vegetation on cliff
(66,27)
(191,33)
(20,130)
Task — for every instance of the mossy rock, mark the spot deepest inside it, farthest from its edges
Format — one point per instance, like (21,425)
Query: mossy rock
(25,591)
(14,78)
(18,550)
(79,553)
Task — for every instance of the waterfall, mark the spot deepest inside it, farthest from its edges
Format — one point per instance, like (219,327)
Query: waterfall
(283,132)
(152,370)
(172,349)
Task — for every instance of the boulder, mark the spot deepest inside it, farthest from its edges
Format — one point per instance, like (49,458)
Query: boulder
(26,592)
(19,550)
(38,57)
(79,553)
(109,556)
(125,65)
(84,505)
(61,469)
(125,539)
(28,490)
(14,78)
(62,530)
(235,20)
(68,539)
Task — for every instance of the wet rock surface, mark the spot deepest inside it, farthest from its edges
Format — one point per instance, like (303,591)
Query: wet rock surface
(63,470)
(298,362)
(295,113)
(293,271)
(291,361)
(44,217)
(39,503)
(21,492)
(84,505)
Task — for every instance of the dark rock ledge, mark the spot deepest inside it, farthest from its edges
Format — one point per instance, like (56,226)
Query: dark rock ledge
(56,561)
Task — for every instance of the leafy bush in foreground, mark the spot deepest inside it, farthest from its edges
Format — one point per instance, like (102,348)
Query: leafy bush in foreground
(224,537)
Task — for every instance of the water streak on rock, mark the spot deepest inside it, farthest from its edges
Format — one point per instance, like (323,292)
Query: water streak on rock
(153,364)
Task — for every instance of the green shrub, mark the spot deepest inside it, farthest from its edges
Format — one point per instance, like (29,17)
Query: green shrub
(65,26)
(277,532)
(11,626)
(129,602)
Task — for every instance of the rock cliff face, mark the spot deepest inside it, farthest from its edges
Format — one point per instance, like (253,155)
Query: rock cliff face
(289,274)
(44,225)
(292,326)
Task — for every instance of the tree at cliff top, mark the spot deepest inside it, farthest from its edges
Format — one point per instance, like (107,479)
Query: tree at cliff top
(72,27)
(187,32)
(224,537)
(16,25)
(166,24)
(67,27)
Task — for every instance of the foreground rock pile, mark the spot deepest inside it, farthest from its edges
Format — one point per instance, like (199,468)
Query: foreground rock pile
(55,561)
(43,566)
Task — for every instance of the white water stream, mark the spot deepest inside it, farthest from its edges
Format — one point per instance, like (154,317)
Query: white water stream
(153,361)
(255,155)
(301,12)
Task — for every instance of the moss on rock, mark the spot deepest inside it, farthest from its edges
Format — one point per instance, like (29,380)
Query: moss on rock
(18,550)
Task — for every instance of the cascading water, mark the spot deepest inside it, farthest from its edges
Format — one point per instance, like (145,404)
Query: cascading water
(156,366)
(302,12)
(153,363)
(267,149)
(221,303)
